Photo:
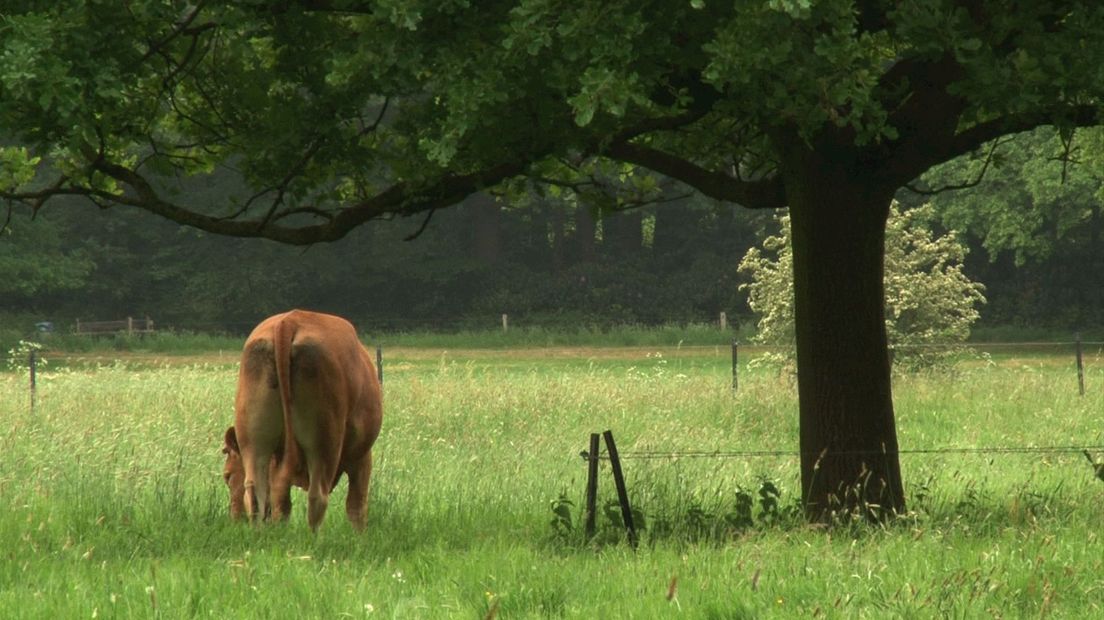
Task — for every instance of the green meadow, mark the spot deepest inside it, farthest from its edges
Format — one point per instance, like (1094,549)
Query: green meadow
(114,505)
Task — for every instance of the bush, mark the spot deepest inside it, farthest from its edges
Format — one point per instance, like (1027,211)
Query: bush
(929,300)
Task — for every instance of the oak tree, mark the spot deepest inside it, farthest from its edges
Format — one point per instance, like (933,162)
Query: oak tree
(339,112)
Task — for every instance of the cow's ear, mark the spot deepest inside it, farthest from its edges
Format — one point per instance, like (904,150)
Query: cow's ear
(230,442)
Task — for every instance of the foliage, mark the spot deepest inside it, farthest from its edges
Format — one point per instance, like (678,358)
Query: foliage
(328,109)
(929,300)
(19,356)
(37,260)
(1036,212)
(1036,196)
(96,268)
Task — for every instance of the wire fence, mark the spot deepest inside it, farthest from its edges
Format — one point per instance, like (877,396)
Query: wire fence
(747,454)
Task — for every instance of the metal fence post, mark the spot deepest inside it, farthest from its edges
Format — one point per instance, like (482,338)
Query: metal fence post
(33,364)
(591,487)
(379,364)
(735,365)
(1080,365)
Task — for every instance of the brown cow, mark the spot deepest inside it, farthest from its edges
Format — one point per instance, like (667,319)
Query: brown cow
(304,376)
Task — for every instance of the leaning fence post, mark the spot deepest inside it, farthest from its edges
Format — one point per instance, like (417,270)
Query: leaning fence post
(591,487)
(505,322)
(1080,366)
(622,493)
(735,365)
(33,363)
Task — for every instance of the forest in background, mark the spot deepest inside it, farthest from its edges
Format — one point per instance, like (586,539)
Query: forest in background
(551,256)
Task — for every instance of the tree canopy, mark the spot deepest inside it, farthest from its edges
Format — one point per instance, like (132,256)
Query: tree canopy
(338,112)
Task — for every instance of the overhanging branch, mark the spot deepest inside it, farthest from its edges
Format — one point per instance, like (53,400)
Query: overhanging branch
(759,194)
(401,199)
(969,139)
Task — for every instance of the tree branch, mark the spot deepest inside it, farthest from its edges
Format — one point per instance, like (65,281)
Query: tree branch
(965,184)
(399,199)
(759,194)
(1074,116)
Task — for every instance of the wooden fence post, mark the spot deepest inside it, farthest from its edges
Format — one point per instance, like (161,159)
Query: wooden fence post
(1080,366)
(724,321)
(622,493)
(735,365)
(505,322)
(591,487)
(130,326)
(33,363)
(379,364)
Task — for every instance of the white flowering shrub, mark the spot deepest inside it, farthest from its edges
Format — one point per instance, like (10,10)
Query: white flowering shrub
(19,356)
(929,300)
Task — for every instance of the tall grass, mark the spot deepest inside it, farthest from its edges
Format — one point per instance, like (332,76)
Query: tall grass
(114,505)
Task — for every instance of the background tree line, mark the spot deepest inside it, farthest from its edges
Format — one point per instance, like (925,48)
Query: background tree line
(555,256)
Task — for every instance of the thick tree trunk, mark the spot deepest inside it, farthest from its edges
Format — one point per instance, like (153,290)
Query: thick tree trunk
(849,453)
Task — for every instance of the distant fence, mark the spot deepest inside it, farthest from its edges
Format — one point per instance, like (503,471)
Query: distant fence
(1077,347)
(448,323)
(129,325)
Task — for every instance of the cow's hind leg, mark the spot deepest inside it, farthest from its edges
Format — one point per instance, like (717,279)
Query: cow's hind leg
(258,423)
(356,504)
(280,491)
(316,442)
(322,473)
(257,486)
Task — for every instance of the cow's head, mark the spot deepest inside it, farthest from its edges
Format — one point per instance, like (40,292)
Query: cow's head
(233,472)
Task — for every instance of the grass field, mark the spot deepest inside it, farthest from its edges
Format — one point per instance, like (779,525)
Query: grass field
(114,506)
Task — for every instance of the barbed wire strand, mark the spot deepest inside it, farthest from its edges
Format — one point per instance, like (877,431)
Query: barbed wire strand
(791,453)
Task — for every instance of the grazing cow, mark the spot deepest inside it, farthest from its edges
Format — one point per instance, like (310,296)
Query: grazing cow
(308,409)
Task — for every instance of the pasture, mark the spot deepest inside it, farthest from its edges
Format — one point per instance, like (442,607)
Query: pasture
(114,506)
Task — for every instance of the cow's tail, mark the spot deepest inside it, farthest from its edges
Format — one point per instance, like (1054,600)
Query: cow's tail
(283,337)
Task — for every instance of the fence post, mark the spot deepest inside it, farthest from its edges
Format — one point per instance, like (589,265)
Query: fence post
(130,326)
(33,363)
(735,365)
(622,493)
(505,322)
(78,327)
(724,321)
(591,487)
(1080,366)
(379,364)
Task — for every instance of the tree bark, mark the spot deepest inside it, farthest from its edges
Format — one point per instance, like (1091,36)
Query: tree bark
(848,439)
